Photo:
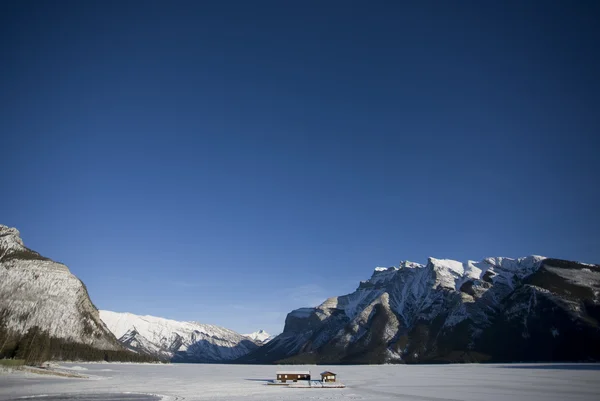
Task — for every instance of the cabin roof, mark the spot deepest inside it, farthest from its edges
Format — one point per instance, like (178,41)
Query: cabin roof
(327,372)
(293,372)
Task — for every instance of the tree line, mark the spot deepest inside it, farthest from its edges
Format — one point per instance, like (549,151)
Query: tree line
(36,347)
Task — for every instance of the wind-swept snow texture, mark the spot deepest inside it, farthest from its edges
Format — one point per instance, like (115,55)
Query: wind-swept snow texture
(191,382)
(497,309)
(36,292)
(175,340)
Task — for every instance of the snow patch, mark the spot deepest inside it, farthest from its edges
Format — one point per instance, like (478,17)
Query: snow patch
(260,336)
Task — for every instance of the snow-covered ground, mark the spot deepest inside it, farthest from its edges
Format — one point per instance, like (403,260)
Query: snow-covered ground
(544,382)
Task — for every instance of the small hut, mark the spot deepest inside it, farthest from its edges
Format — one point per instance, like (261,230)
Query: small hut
(289,375)
(328,376)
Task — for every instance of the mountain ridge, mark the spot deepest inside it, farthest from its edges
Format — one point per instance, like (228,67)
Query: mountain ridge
(177,341)
(448,311)
(498,309)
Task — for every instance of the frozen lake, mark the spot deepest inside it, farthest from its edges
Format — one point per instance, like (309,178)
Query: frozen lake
(112,382)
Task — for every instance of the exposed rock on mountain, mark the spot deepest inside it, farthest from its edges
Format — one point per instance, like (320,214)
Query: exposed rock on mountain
(177,341)
(499,309)
(45,311)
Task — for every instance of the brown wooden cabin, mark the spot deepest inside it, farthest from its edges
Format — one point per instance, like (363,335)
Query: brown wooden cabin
(288,375)
(328,376)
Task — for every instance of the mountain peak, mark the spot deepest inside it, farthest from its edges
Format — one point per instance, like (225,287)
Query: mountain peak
(6,230)
(407,264)
(44,296)
(12,247)
(10,239)
(259,336)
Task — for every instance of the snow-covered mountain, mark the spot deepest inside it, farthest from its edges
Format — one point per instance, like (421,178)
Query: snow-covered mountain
(260,337)
(498,309)
(177,341)
(46,309)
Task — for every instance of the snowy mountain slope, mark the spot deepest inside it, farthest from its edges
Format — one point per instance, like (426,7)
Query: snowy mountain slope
(260,337)
(449,311)
(42,299)
(175,340)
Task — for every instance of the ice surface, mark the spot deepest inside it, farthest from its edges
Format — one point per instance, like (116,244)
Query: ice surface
(526,382)
(98,397)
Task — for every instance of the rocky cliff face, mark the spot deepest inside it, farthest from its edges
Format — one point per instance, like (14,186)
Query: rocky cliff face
(498,309)
(42,301)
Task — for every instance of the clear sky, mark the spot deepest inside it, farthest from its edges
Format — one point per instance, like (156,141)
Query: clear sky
(228,162)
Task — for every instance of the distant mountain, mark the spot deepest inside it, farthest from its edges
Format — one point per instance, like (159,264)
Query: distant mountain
(260,337)
(177,341)
(46,312)
(499,309)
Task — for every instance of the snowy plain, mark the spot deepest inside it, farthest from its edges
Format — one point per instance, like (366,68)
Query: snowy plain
(110,382)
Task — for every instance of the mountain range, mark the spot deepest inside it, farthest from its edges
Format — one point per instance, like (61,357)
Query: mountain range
(499,309)
(177,341)
(495,310)
(46,312)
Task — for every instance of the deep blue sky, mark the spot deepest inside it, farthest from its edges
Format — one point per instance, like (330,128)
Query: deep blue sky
(228,163)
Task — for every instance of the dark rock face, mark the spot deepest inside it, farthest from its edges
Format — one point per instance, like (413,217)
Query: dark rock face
(552,317)
(497,310)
